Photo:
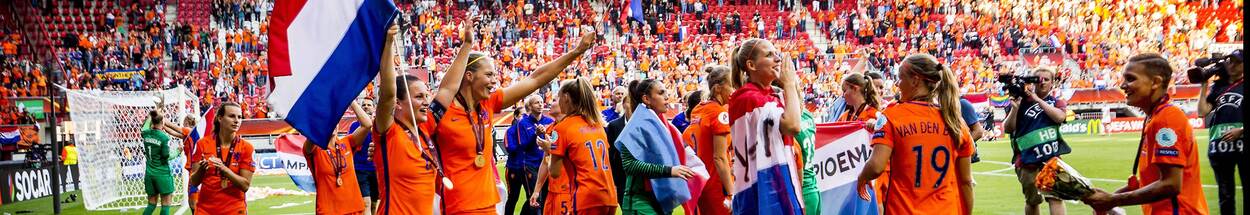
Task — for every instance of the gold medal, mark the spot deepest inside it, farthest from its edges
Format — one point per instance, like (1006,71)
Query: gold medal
(338,180)
(479,161)
(224,184)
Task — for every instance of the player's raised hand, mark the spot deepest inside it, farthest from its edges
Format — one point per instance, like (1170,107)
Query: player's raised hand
(468,29)
(589,38)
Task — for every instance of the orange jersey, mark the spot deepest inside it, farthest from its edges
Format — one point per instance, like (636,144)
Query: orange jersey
(558,200)
(869,113)
(1169,140)
(584,148)
(923,177)
(336,193)
(708,120)
(213,197)
(188,147)
(475,190)
(405,179)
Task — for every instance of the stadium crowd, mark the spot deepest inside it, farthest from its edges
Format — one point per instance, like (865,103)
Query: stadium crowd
(680,35)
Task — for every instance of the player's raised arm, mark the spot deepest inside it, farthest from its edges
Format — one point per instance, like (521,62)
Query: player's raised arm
(366,125)
(450,84)
(547,72)
(386,87)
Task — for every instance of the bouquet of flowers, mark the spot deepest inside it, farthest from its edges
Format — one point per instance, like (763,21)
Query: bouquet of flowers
(1062,181)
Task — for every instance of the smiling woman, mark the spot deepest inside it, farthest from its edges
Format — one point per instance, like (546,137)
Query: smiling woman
(223,168)
(1166,175)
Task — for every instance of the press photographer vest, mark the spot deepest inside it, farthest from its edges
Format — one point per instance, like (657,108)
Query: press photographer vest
(1036,137)
(1225,100)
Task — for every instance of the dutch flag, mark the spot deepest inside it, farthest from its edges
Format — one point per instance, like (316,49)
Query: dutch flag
(322,54)
(203,127)
(765,171)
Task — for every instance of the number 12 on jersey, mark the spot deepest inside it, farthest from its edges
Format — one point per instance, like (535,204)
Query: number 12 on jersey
(598,153)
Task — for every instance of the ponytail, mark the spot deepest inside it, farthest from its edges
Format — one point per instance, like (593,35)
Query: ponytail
(948,98)
(867,89)
(738,67)
(941,83)
(583,100)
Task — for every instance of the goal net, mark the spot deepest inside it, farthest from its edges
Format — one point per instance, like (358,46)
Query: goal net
(111,153)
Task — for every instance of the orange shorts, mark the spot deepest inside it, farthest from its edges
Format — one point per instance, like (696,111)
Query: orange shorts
(558,203)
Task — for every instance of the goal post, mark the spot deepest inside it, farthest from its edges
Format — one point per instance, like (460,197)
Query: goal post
(112,157)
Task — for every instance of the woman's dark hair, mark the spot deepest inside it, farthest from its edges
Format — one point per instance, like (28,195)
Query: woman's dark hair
(869,92)
(401,85)
(875,76)
(221,114)
(638,89)
(1154,65)
(155,118)
(692,100)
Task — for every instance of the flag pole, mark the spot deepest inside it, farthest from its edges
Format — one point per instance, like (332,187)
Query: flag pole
(408,91)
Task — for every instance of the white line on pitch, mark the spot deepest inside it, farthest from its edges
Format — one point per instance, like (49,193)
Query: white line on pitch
(998,173)
(289,204)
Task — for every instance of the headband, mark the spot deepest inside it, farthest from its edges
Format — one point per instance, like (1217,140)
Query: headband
(474,60)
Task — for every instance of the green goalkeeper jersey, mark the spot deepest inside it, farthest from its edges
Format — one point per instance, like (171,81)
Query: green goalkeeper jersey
(156,145)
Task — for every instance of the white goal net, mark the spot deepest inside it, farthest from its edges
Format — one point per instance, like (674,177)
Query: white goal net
(111,153)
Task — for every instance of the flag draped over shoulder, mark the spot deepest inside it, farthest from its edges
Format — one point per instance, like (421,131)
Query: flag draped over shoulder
(649,139)
(322,54)
(765,173)
(842,150)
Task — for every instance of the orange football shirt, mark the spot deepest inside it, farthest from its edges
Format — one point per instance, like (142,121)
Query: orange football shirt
(585,150)
(213,197)
(405,179)
(475,190)
(708,120)
(1169,140)
(923,176)
(332,197)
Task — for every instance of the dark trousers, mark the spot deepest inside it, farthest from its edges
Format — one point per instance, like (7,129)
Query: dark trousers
(518,179)
(1224,177)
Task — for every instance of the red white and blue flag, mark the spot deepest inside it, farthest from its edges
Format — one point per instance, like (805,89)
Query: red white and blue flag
(290,149)
(10,135)
(322,54)
(842,150)
(765,170)
(203,127)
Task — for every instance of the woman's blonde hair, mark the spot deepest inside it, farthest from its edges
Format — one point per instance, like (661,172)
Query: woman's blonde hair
(583,99)
(941,83)
(715,76)
(745,52)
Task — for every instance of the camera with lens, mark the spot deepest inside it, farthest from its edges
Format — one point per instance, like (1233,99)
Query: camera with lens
(1216,65)
(1014,84)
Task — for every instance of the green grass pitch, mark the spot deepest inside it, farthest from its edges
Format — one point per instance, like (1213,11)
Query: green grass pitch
(1104,159)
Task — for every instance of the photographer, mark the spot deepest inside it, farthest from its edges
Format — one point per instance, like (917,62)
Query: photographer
(1221,107)
(1034,128)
